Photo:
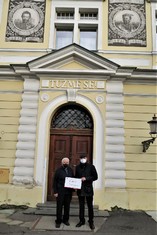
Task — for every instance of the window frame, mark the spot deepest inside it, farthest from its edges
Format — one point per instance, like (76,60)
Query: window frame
(65,11)
(88,28)
(88,11)
(61,27)
(75,7)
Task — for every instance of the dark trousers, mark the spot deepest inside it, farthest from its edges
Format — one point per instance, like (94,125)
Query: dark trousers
(63,200)
(89,201)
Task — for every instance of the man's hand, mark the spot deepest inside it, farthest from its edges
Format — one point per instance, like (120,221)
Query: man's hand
(55,194)
(83,178)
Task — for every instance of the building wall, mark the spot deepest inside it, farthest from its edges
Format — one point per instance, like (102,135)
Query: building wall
(127,175)
(21,52)
(127,172)
(141,178)
(10,105)
(11,102)
(136,168)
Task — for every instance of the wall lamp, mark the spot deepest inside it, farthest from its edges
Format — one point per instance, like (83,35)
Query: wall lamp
(153,133)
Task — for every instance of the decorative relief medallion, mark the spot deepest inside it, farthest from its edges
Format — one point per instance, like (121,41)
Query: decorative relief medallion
(99,99)
(127,23)
(26,21)
(45,97)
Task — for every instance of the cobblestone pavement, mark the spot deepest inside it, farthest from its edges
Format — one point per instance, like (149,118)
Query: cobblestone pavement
(15,222)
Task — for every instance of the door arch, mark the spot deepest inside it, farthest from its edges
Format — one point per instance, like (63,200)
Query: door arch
(71,134)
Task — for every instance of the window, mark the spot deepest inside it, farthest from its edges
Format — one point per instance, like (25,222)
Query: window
(72,116)
(76,22)
(63,13)
(88,38)
(64,37)
(89,16)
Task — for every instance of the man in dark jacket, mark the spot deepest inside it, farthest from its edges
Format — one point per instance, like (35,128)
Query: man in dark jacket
(88,174)
(63,195)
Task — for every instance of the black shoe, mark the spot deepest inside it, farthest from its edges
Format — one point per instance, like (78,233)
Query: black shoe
(91,225)
(80,224)
(66,223)
(58,225)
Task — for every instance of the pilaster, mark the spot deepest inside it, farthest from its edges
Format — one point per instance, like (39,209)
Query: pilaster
(25,148)
(114,159)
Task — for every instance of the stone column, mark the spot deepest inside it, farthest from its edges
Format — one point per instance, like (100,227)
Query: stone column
(114,159)
(25,148)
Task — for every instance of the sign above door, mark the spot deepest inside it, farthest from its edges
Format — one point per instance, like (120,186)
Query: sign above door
(74,84)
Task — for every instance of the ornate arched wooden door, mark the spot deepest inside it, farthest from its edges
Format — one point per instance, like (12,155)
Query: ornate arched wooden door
(71,135)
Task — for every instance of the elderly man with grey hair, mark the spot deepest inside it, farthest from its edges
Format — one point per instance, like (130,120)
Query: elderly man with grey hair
(63,195)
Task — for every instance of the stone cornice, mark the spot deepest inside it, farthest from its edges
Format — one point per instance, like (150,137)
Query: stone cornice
(94,67)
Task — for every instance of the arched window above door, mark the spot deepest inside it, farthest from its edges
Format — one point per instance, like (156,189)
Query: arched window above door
(72,117)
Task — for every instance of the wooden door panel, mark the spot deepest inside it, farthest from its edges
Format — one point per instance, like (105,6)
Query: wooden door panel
(71,146)
(59,148)
(82,145)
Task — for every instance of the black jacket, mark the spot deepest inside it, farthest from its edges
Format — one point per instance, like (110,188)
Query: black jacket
(89,172)
(59,180)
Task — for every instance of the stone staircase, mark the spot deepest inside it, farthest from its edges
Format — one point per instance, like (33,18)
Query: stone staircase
(49,208)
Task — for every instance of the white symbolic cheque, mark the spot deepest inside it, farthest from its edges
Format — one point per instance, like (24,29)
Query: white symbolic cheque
(72,183)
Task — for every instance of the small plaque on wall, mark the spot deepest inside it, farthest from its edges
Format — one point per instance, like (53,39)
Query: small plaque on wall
(4,175)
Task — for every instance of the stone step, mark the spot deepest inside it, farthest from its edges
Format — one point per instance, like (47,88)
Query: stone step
(53,205)
(49,208)
(73,212)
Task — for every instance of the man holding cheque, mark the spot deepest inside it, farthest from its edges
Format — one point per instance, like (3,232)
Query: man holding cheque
(64,184)
(87,173)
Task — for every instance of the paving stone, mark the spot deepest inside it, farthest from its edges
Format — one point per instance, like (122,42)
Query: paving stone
(27,224)
(7,211)
(5,220)
(2,216)
(48,223)
(15,222)
(118,223)
(11,230)
(20,215)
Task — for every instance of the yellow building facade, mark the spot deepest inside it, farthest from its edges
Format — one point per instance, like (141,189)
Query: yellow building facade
(82,57)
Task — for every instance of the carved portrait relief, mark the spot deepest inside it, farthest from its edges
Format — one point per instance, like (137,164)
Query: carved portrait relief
(127,24)
(26,21)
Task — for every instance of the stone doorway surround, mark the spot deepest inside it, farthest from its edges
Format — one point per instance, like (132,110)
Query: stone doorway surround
(43,149)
